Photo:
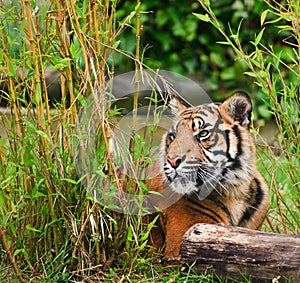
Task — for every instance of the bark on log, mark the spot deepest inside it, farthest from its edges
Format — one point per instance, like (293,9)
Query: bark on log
(236,253)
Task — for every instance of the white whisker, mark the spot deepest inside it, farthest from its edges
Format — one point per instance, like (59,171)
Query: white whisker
(213,177)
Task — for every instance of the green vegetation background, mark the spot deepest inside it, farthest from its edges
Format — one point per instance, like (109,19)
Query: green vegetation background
(51,231)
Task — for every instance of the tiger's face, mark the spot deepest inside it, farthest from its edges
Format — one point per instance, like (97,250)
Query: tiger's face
(209,147)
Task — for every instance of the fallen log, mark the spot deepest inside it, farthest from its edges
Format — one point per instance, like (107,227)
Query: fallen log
(240,253)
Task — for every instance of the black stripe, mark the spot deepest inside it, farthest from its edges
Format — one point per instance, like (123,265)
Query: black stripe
(212,197)
(201,208)
(224,172)
(202,113)
(219,152)
(192,168)
(236,163)
(187,112)
(211,109)
(206,156)
(193,162)
(254,200)
(239,138)
(227,145)
(193,125)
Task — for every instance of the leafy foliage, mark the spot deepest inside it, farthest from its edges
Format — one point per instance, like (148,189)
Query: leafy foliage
(174,39)
(53,229)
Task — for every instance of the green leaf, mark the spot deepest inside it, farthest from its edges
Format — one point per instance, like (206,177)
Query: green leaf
(28,227)
(12,69)
(263,17)
(17,251)
(285,27)
(71,181)
(116,44)
(35,194)
(203,18)
(143,245)
(207,3)
(43,134)
(259,36)
(223,42)
(129,234)
(38,194)
(276,20)
(2,201)
(251,74)
(37,94)
(62,63)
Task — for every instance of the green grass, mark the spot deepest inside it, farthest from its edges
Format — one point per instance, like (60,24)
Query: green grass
(283,214)
(54,230)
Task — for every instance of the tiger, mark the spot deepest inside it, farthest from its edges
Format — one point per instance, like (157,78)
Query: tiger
(208,160)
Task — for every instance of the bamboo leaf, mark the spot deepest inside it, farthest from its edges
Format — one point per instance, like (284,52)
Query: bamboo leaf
(42,134)
(259,36)
(12,69)
(203,18)
(223,42)
(263,17)
(250,74)
(207,3)
(285,27)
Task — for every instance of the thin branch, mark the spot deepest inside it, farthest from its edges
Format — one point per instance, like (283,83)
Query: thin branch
(10,256)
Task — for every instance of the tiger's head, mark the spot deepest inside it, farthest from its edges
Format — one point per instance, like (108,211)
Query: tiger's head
(209,146)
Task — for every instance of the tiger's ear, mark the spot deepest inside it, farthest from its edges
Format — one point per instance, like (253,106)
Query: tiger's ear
(238,107)
(176,105)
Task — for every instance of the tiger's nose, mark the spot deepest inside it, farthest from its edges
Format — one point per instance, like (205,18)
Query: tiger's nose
(175,161)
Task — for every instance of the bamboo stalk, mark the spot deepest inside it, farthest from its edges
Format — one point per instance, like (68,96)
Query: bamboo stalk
(137,76)
(79,32)
(96,25)
(41,72)
(137,57)
(36,52)
(12,90)
(10,256)
(13,94)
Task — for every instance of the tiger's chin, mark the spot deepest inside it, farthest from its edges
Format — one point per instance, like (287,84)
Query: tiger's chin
(183,186)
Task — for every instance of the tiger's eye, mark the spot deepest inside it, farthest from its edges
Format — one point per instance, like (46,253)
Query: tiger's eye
(171,137)
(202,135)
